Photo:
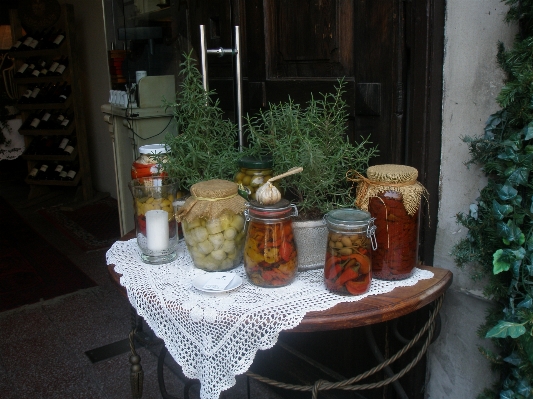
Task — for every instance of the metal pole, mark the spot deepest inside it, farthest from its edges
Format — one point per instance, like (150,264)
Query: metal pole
(203,51)
(239,84)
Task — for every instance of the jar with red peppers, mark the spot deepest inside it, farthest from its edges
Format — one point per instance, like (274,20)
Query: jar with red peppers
(348,265)
(270,255)
(146,164)
(392,195)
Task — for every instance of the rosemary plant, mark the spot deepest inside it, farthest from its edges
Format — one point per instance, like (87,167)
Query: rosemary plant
(314,137)
(204,143)
(500,224)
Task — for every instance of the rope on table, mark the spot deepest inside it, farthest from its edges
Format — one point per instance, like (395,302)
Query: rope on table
(347,384)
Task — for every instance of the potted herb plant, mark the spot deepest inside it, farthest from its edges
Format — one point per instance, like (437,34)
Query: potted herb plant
(313,137)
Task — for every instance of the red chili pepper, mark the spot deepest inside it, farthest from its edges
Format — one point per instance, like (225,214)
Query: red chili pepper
(285,250)
(357,287)
(332,271)
(347,275)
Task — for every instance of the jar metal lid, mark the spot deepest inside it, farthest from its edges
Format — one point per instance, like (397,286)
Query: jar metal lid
(281,209)
(348,217)
(153,149)
(256,163)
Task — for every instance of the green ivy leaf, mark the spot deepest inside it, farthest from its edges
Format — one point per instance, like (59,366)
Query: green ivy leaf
(506,329)
(501,261)
(526,303)
(506,192)
(500,211)
(530,269)
(528,131)
(519,176)
(531,206)
(510,232)
(513,359)
(528,149)
(509,154)
(529,243)
(508,394)
(517,200)
(527,346)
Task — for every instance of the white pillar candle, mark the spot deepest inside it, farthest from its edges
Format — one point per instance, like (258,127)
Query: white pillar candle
(157,230)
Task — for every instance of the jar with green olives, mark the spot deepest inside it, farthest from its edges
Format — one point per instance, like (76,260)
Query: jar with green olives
(253,173)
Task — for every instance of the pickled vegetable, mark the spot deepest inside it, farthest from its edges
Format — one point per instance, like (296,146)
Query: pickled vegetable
(348,266)
(215,244)
(252,179)
(270,257)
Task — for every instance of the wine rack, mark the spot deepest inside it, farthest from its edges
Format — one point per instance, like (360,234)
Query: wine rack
(70,77)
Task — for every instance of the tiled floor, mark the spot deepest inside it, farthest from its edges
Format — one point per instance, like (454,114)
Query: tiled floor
(42,346)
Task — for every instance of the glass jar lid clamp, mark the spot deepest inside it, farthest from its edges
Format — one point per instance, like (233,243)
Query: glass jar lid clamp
(352,218)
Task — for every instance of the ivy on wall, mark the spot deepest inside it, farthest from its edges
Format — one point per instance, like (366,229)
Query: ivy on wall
(499,242)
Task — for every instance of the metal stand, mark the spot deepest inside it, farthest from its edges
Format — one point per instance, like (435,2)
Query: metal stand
(221,52)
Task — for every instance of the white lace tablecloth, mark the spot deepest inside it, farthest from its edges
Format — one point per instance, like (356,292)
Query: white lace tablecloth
(215,336)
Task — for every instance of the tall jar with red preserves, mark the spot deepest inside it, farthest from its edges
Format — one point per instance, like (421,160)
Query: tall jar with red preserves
(146,165)
(392,195)
(348,265)
(270,256)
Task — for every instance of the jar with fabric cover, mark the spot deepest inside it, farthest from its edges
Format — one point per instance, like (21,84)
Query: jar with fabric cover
(392,195)
(253,173)
(213,224)
(348,264)
(270,254)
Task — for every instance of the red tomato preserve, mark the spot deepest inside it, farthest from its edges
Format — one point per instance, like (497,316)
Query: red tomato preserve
(146,165)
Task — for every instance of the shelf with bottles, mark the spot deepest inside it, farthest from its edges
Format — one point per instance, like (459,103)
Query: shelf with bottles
(49,39)
(43,69)
(67,104)
(52,148)
(54,172)
(46,122)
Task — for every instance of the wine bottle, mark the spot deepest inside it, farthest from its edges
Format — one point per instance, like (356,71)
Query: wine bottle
(54,65)
(35,93)
(60,118)
(65,123)
(33,172)
(63,64)
(57,171)
(45,120)
(22,70)
(36,121)
(25,98)
(30,68)
(62,145)
(71,174)
(58,40)
(26,43)
(42,173)
(70,146)
(64,94)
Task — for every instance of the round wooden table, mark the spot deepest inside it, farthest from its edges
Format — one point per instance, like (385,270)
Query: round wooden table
(370,310)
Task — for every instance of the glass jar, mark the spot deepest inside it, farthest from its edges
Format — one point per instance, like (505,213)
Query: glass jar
(146,165)
(348,265)
(155,221)
(270,255)
(253,173)
(397,236)
(212,221)
(392,195)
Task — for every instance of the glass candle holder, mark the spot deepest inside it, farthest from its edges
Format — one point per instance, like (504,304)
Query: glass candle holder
(155,219)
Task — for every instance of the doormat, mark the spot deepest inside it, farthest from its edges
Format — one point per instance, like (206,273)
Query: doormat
(93,226)
(30,268)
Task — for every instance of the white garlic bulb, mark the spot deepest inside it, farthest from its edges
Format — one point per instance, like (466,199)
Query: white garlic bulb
(267,194)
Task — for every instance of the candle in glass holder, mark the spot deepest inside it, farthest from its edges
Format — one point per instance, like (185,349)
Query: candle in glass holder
(157,230)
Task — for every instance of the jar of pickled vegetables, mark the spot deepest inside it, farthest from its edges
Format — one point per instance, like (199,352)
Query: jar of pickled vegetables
(270,256)
(392,195)
(348,266)
(146,164)
(212,221)
(253,173)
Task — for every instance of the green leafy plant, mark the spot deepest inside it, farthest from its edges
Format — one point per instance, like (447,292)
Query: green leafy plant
(203,145)
(500,225)
(314,137)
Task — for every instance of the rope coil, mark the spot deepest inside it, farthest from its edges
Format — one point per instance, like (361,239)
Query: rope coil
(347,385)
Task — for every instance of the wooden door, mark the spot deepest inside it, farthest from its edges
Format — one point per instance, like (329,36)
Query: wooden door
(388,52)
